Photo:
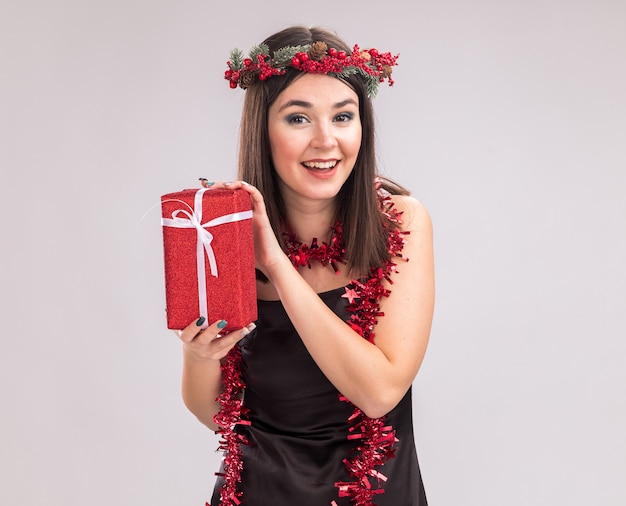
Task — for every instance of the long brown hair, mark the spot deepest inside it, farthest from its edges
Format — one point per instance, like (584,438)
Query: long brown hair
(357,202)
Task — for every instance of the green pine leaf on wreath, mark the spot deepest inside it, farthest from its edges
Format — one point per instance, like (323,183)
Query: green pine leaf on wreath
(236,59)
(257,50)
(371,83)
(347,72)
(284,55)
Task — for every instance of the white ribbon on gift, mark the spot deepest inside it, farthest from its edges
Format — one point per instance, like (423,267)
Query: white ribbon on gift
(193,219)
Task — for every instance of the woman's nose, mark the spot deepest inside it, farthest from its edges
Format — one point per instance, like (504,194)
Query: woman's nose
(323,137)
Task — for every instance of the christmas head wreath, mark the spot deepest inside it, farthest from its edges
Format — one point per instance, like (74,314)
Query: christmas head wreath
(317,58)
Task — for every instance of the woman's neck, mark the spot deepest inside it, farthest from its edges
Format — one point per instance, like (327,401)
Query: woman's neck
(309,223)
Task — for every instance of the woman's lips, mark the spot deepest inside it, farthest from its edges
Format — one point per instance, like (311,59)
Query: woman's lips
(320,165)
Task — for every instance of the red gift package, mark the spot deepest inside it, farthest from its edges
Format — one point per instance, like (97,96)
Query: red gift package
(209,257)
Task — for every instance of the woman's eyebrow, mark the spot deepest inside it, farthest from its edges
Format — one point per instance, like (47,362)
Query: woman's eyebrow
(308,105)
(298,103)
(346,102)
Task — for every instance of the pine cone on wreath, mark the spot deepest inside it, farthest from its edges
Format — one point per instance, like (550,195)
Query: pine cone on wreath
(317,51)
(387,70)
(246,79)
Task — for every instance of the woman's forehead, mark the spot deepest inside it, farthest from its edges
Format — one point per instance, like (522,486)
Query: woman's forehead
(317,88)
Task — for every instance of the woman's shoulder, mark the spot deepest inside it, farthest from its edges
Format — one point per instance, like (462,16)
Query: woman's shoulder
(413,213)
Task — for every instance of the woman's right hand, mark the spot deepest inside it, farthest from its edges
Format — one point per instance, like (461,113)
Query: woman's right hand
(268,254)
(210,344)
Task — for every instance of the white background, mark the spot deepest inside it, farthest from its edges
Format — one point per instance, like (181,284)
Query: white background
(508,120)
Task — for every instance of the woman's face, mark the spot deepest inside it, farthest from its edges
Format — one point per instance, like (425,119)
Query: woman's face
(315,135)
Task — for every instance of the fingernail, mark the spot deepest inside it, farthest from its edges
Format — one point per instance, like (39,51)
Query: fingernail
(200,321)
(247,329)
(226,183)
(221,324)
(202,179)
(208,184)
(244,182)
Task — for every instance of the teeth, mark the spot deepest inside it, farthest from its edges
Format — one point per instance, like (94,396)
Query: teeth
(320,165)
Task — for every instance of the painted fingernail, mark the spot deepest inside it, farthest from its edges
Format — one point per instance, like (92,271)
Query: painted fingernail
(200,321)
(247,329)
(221,324)
(202,179)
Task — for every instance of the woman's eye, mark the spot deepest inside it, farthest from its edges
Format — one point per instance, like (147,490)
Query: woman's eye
(344,116)
(296,118)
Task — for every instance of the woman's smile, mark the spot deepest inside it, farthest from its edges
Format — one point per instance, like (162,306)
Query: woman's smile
(320,165)
(322,169)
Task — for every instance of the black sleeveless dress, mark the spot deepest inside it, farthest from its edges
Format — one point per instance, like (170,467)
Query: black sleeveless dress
(299,426)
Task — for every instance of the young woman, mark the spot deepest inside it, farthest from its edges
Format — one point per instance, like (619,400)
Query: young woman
(325,373)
